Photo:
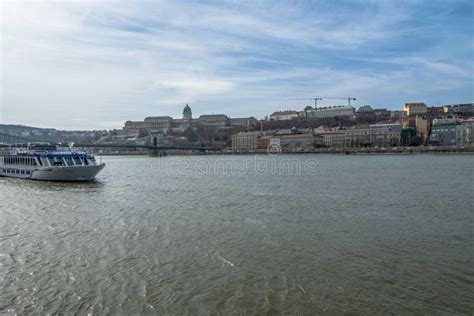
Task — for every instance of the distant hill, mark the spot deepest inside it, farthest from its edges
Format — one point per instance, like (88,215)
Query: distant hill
(50,134)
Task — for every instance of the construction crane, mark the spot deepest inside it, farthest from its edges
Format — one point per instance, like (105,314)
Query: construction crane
(315,100)
(349,99)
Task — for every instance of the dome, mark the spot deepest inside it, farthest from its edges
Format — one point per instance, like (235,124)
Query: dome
(187,113)
(187,110)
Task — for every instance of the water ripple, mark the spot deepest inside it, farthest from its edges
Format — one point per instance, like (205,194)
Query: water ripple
(365,235)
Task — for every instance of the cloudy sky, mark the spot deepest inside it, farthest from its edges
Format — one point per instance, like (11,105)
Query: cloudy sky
(95,64)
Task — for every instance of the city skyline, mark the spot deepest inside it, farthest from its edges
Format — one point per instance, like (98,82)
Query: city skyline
(95,65)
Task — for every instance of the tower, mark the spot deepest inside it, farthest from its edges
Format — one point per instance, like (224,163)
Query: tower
(187,113)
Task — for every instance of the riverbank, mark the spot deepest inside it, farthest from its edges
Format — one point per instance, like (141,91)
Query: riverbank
(340,151)
(371,150)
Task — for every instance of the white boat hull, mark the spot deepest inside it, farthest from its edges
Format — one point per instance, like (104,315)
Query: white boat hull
(61,173)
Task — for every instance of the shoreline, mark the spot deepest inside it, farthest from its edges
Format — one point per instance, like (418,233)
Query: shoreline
(354,151)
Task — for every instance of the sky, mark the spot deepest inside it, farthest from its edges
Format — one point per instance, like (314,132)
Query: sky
(80,65)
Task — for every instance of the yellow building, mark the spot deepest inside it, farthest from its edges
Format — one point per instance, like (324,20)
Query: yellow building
(245,141)
(415,108)
(421,124)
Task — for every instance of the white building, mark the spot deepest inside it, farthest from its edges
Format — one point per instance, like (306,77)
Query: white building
(284,115)
(444,120)
(330,111)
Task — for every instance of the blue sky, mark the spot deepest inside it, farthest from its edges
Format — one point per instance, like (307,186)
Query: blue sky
(96,64)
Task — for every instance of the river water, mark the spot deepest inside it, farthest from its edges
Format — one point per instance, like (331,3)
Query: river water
(302,234)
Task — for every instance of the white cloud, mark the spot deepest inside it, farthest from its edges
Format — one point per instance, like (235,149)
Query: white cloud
(95,63)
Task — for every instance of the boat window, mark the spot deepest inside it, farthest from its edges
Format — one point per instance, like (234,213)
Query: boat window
(51,161)
(69,161)
(78,161)
(85,161)
(58,161)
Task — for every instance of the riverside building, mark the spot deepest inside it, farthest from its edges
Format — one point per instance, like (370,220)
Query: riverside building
(245,141)
(443,133)
(381,135)
(464,133)
(333,139)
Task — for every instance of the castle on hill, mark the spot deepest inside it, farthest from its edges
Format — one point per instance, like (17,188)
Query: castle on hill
(167,124)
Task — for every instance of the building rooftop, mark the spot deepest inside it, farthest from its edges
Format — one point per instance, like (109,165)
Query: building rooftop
(459,105)
(212,115)
(386,125)
(334,107)
(297,135)
(287,112)
(247,133)
(187,110)
(158,118)
(415,104)
(365,108)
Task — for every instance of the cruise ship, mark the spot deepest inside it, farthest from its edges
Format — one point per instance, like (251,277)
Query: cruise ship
(45,162)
